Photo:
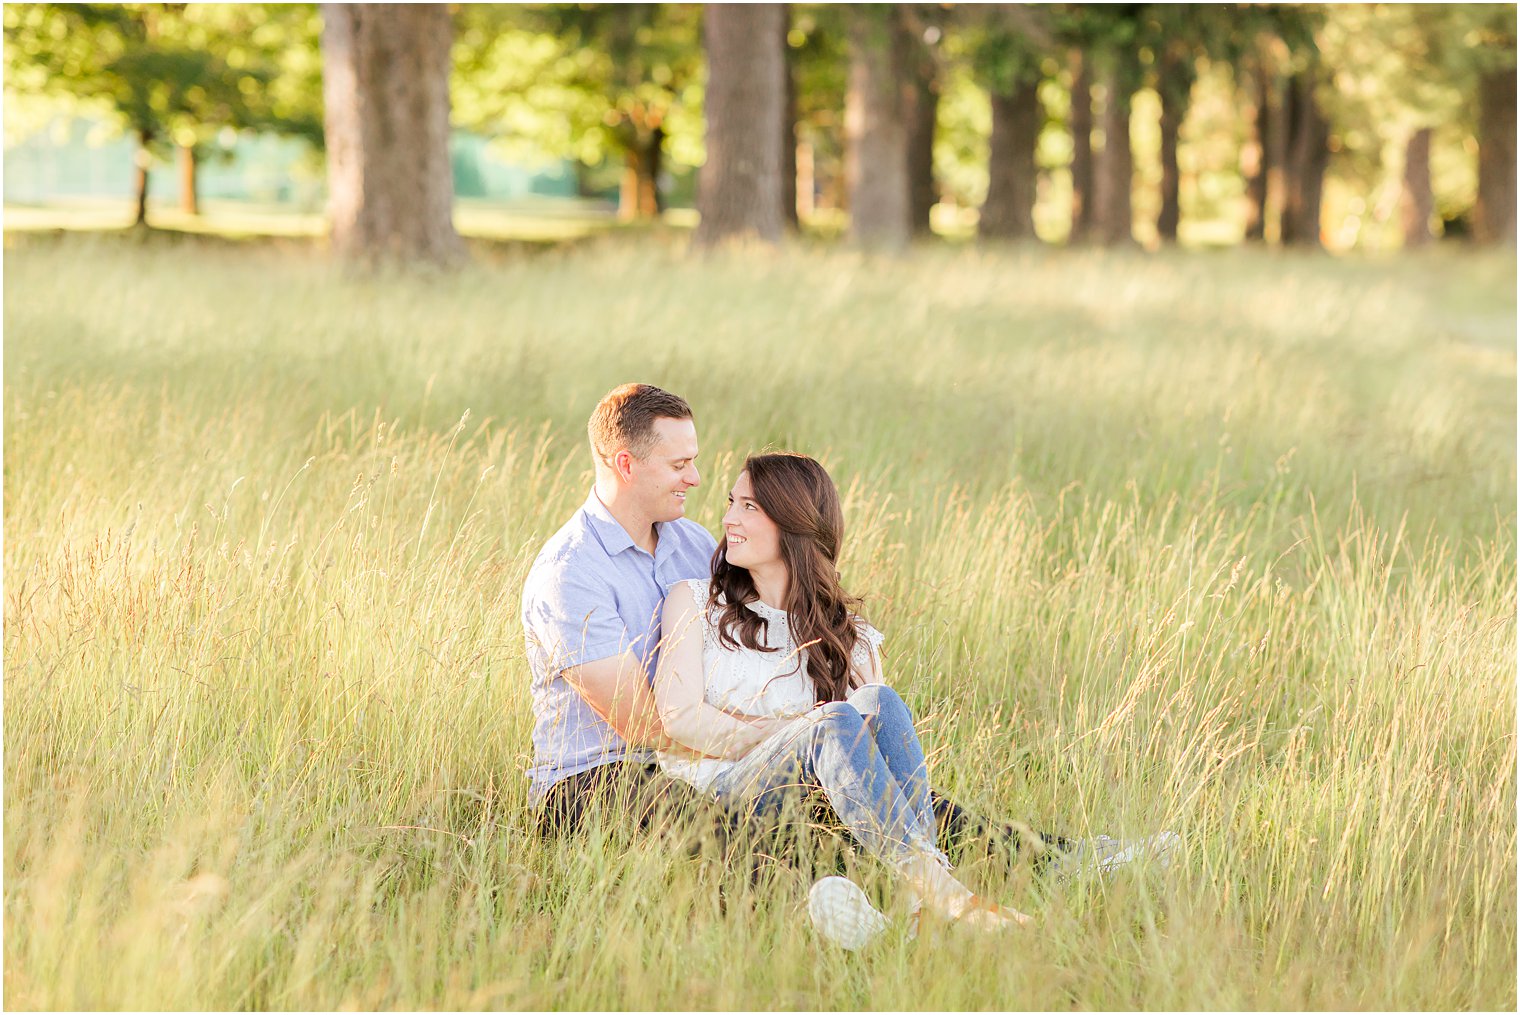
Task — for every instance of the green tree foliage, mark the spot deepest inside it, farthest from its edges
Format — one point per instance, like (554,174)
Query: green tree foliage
(1010,49)
(172,74)
(1398,64)
(614,87)
(1108,36)
(1400,67)
(818,54)
(1006,45)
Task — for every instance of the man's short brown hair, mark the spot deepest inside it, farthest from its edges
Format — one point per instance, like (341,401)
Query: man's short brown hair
(625,416)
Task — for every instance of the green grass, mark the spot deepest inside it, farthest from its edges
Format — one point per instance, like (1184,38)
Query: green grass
(528,220)
(1221,543)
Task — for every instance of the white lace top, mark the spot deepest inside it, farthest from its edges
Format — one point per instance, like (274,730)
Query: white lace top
(754,682)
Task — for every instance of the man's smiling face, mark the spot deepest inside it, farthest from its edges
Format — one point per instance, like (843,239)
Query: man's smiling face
(661,478)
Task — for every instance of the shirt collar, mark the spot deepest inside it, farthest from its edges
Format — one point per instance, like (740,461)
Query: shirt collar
(614,538)
(768,612)
(756,606)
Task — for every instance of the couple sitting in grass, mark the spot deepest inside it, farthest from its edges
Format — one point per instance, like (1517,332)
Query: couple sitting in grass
(675,673)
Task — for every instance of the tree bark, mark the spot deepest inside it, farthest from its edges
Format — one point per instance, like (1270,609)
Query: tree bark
(921,93)
(740,189)
(1494,221)
(584,184)
(789,212)
(1276,155)
(876,161)
(1173,90)
(140,160)
(639,186)
(1081,151)
(923,114)
(386,91)
(1008,213)
(807,180)
(189,199)
(1307,158)
(1418,203)
(1113,167)
(1256,183)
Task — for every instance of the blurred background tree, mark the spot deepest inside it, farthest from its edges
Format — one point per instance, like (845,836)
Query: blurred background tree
(882,53)
(818,63)
(173,75)
(386,70)
(742,190)
(617,88)
(1007,46)
(1344,125)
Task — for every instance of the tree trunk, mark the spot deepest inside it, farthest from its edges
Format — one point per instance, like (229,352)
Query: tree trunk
(651,201)
(1276,156)
(1008,213)
(140,161)
(921,93)
(1173,90)
(1494,221)
(630,184)
(1418,202)
(876,163)
(189,199)
(1267,114)
(1113,167)
(923,114)
(740,192)
(1081,152)
(789,208)
(1307,158)
(807,180)
(386,91)
(639,187)
(585,186)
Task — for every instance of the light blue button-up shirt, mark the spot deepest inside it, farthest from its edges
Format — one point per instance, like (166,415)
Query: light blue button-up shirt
(591,594)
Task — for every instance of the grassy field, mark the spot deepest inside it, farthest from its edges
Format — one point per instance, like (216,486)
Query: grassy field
(1219,543)
(530,220)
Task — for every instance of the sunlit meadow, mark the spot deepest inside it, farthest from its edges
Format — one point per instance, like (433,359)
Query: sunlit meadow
(1222,543)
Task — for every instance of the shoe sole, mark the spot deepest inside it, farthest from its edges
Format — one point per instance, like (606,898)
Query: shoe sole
(842,914)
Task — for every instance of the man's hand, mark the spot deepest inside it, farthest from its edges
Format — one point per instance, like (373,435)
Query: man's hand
(618,690)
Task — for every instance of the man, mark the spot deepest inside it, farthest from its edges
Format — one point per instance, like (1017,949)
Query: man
(591,607)
(591,614)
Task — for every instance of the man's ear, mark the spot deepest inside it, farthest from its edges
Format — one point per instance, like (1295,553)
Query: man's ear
(622,462)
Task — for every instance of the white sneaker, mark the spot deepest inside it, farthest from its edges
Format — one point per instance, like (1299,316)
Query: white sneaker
(841,913)
(1104,854)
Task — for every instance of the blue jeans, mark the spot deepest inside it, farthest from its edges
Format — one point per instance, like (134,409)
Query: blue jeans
(871,770)
(891,725)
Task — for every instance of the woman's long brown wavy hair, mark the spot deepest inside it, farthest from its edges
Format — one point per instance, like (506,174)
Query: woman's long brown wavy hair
(797,494)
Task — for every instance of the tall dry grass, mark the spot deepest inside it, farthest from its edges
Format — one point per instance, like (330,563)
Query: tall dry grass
(1224,544)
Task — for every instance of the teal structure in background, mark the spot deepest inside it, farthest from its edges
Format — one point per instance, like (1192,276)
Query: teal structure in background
(77,158)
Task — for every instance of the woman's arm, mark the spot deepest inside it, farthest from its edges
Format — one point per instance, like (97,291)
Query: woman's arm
(679,688)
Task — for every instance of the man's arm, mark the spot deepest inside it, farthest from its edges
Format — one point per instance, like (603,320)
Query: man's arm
(617,690)
(570,614)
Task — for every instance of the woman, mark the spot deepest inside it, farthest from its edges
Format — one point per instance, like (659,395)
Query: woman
(770,680)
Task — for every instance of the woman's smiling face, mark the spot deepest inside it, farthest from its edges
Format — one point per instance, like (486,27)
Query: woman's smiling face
(752,539)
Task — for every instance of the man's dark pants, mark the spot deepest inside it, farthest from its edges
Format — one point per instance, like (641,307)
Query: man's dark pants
(653,801)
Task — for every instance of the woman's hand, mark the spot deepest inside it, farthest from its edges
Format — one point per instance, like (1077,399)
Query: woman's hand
(763,728)
(770,725)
